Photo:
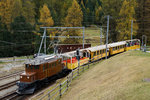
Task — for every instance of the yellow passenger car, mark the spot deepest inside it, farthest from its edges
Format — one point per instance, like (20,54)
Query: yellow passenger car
(98,52)
(117,47)
(132,44)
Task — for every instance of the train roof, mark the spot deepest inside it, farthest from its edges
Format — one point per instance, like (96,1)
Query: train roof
(72,53)
(92,49)
(42,59)
(117,44)
(133,40)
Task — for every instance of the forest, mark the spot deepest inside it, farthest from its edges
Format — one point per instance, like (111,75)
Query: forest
(20,21)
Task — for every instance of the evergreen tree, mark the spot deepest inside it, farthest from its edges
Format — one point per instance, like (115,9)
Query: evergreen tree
(22,36)
(5,40)
(143,19)
(29,11)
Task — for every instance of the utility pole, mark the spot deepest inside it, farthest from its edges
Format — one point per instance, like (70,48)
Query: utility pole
(42,41)
(131,29)
(45,44)
(101,31)
(108,17)
(83,36)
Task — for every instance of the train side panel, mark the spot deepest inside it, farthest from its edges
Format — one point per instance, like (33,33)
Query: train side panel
(117,49)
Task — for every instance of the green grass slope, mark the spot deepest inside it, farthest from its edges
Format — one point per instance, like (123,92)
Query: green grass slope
(121,77)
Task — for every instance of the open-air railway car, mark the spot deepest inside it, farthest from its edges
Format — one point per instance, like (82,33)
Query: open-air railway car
(132,44)
(37,71)
(117,47)
(71,61)
(97,52)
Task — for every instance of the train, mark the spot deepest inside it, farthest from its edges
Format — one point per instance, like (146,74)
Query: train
(42,68)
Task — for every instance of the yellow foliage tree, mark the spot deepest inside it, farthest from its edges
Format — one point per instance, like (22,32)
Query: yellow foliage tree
(126,14)
(98,13)
(74,18)
(16,9)
(45,17)
(75,15)
(6,11)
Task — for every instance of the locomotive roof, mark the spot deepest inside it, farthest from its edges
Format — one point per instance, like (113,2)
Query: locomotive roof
(117,44)
(92,49)
(42,59)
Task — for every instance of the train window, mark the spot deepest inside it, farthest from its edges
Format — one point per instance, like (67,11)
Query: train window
(52,64)
(94,53)
(97,52)
(27,66)
(100,51)
(55,64)
(113,48)
(49,65)
(104,51)
(36,67)
(43,67)
(31,67)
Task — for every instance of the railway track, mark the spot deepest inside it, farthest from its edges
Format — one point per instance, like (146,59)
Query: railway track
(5,86)
(11,75)
(10,96)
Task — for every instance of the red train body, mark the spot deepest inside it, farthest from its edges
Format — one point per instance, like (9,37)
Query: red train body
(38,70)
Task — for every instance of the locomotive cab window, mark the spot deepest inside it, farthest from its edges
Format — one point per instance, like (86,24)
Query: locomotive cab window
(27,66)
(49,65)
(36,67)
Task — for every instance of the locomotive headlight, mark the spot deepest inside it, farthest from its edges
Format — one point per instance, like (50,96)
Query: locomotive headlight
(20,76)
(28,77)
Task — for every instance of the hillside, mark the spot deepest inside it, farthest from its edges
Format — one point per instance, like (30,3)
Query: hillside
(121,77)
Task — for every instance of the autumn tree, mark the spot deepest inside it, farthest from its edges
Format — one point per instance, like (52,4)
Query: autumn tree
(126,14)
(16,9)
(75,15)
(6,11)
(45,17)
(74,18)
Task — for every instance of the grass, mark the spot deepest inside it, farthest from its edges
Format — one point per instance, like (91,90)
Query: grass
(118,78)
(92,36)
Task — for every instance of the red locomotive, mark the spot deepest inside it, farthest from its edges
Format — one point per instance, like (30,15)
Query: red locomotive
(38,71)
